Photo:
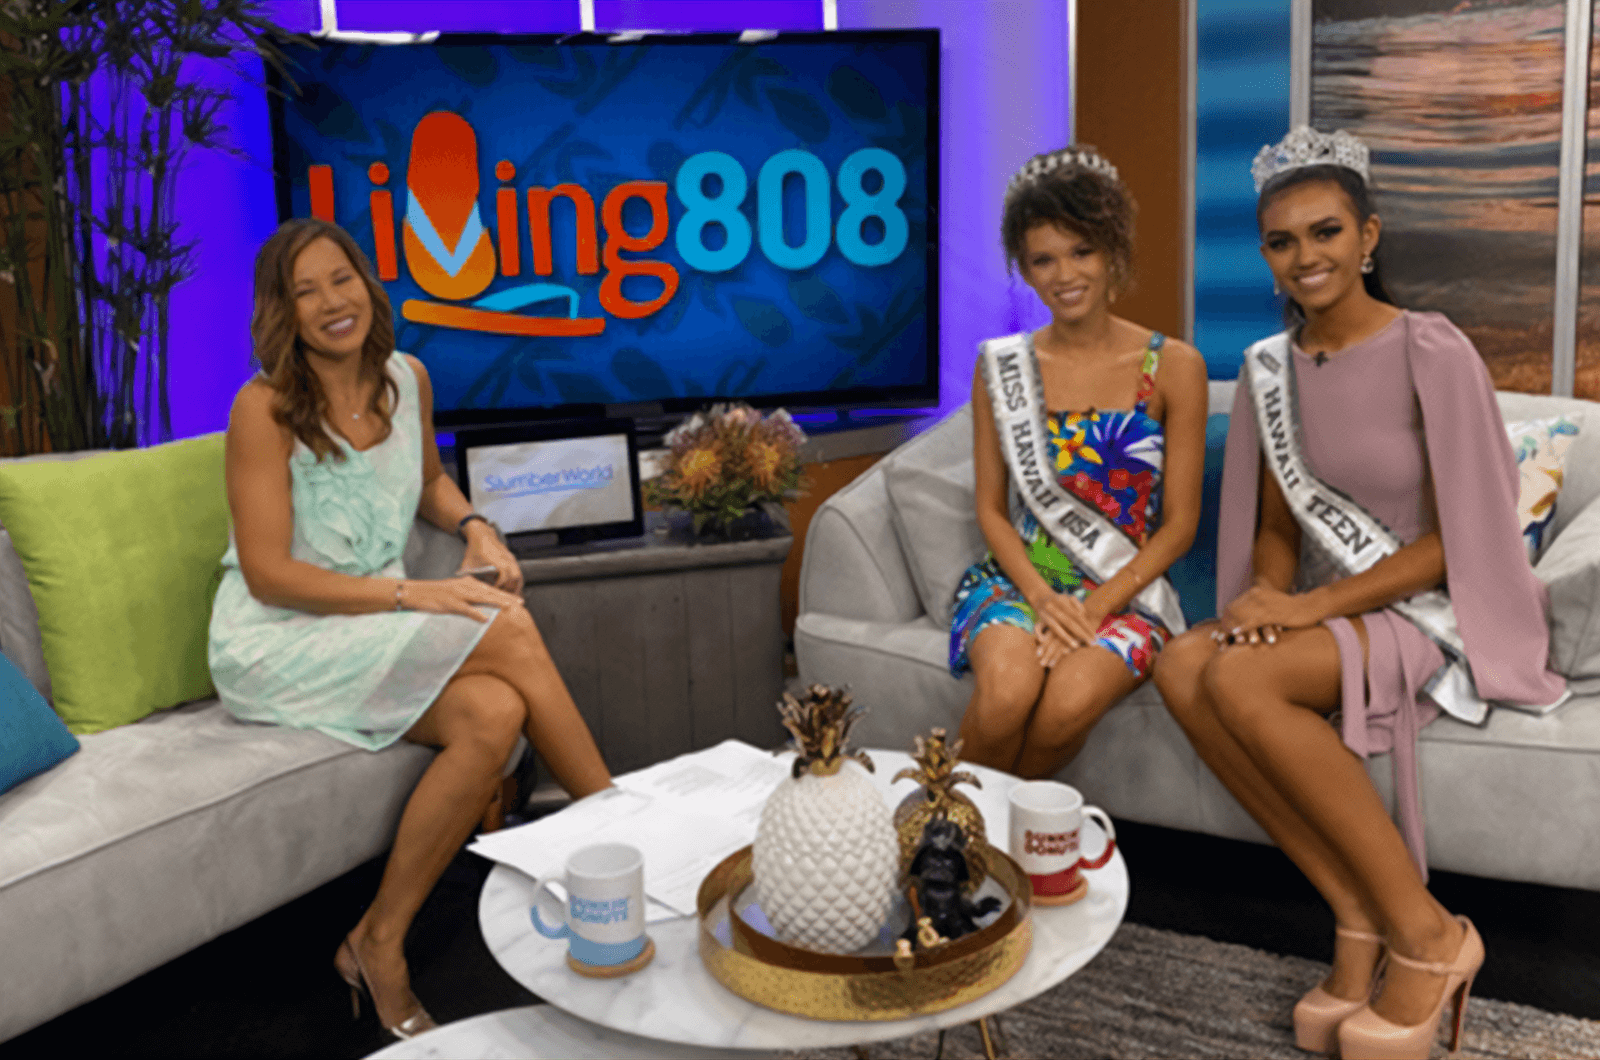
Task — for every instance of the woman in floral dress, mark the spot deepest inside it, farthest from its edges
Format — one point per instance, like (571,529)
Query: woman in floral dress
(1051,648)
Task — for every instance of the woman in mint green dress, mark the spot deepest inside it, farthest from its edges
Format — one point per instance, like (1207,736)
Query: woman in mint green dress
(330,457)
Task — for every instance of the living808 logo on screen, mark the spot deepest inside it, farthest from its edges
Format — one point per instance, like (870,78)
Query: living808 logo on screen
(560,223)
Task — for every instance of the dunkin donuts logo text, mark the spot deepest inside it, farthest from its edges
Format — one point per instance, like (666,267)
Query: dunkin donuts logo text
(608,911)
(1049,844)
(454,257)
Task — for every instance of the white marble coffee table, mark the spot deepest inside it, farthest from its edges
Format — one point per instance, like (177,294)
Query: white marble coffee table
(537,1032)
(675,999)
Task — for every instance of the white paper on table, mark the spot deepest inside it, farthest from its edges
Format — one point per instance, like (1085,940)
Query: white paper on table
(684,815)
(541,848)
(731,779)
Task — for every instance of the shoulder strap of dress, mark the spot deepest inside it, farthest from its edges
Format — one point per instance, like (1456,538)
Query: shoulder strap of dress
(404,376)
(1147,373)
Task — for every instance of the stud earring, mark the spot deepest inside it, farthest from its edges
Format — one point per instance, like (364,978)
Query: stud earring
(1367,264)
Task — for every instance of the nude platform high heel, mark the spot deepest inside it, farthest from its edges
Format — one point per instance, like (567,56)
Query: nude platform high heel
(348,965)
(1317,1015)
(1368,1036)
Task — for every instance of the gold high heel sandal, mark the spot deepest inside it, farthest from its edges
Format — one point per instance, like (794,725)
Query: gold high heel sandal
(348,964)
(1368,1036)
(1317,1015)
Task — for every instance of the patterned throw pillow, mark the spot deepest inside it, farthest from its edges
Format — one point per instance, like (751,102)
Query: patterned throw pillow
(1540,447)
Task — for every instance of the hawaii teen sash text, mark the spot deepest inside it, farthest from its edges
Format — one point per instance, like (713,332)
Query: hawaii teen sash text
(1344,532)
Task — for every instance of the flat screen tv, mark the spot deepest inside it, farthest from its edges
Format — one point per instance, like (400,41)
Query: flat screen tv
(579,226)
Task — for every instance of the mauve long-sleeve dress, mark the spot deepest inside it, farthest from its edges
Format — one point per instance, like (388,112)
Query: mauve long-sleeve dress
(1363,432)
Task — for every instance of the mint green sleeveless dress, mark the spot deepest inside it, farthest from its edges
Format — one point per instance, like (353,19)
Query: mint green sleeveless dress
(364,679)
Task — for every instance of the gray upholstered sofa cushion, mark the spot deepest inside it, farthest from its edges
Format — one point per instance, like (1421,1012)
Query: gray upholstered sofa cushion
(1570,568)
(1516,799)
(930,501)
(160,835)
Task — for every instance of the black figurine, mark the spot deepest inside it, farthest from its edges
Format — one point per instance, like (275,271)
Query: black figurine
(937,873)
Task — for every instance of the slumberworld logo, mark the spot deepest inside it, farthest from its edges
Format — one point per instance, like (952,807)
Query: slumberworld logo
(454,257)
(534,483)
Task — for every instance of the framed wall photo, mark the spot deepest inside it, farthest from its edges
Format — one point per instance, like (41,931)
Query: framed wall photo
(1461,106)
(1586,375)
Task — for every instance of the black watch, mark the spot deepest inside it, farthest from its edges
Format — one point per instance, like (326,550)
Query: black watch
(461,527)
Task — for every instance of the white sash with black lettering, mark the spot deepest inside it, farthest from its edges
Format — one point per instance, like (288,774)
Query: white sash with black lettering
(1094,543)
(1341,530)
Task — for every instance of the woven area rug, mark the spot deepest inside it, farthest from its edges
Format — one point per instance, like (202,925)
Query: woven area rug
(1154,993)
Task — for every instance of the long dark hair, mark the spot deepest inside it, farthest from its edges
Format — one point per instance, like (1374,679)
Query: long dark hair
(299,403)
(1355,189)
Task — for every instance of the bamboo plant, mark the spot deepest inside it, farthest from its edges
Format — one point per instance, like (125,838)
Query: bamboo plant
(104,106)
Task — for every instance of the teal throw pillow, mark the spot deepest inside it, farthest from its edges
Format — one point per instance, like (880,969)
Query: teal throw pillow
(32,738)
(1194,574)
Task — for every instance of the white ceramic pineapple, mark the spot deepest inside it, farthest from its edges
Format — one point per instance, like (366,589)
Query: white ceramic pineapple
(826,856)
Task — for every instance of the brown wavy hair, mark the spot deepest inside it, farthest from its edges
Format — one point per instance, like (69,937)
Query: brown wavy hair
(299,402)
(1081,199)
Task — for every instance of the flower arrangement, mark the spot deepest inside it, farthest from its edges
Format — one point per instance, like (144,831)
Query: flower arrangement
(726,461)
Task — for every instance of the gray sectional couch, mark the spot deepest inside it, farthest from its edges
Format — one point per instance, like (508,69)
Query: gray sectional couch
(1517,799)
(158,836)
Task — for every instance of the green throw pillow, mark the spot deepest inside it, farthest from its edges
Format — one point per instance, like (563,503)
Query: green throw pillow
(122,553)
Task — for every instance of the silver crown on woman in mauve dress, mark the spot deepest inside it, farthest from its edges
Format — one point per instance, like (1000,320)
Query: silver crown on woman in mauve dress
(1040,166)
(1307,147)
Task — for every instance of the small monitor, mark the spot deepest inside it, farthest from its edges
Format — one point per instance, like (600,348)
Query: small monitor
(554,483)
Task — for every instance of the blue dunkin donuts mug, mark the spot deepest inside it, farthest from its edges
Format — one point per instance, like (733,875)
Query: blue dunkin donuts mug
(603,922)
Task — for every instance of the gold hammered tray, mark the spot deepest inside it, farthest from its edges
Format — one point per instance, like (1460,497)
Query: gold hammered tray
(829,986)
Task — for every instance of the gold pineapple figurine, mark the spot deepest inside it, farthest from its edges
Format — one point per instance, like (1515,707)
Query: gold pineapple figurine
(936,772)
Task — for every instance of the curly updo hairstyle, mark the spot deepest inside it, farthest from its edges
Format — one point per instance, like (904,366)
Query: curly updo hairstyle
(1073,188)
(1356,191)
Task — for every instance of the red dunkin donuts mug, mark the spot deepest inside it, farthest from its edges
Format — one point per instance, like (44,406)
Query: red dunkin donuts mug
(1046,817)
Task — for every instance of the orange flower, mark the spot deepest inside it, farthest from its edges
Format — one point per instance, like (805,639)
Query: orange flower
(766,460)
(698,470)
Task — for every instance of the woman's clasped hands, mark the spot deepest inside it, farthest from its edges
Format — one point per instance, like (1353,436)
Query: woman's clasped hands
(1262,612)
(1064,624)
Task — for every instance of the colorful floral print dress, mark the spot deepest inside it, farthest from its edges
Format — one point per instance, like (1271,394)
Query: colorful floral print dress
(1112,459)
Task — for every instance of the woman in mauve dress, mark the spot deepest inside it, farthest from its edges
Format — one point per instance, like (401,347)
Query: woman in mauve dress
(1398,413)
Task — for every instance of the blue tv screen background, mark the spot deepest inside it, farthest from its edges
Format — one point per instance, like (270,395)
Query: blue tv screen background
(810,314)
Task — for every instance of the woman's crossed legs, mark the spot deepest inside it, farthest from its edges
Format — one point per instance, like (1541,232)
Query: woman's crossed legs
(1255,716)
(507,687)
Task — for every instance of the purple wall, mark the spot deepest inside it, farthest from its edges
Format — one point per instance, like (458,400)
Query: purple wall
(1004,98)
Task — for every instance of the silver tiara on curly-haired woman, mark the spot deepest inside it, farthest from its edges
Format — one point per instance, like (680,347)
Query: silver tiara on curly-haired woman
(1041,166)
(1307,147)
